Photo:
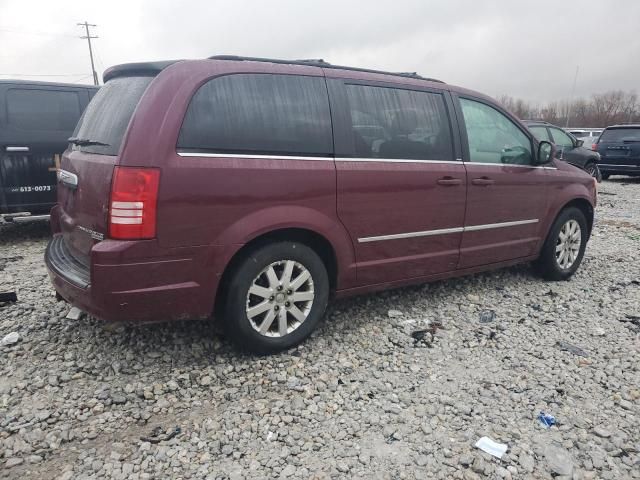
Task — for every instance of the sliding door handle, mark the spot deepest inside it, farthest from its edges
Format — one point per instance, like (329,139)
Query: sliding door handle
(483,181)
(449,181)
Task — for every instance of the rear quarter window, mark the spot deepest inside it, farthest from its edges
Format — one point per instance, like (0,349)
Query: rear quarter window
(41,110)
(259,114)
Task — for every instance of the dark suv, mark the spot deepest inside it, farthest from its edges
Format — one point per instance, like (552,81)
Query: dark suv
(568,147)
(619,149)
(259,189)
(36,119)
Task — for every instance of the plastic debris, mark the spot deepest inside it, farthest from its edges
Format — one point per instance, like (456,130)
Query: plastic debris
(158,435)
(395,313)
(487,316)
(74,314)
(546,419)
(492,447)
(10,339)
(573,349)
(8,297)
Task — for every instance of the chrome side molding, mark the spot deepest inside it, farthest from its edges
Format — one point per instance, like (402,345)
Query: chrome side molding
(445,231)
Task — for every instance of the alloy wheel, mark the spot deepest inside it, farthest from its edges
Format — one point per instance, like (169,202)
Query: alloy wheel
(568,244)
(280,298)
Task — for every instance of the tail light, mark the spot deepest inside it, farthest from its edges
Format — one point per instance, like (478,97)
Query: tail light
(594,147)
(133,203)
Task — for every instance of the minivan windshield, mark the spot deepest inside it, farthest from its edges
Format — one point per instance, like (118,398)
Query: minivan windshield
(104,123)
(621,135)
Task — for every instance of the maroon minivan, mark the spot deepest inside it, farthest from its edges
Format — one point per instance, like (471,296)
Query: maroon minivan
(257,189)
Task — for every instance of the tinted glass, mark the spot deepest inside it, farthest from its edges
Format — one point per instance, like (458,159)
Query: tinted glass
(259,113)
(541,133)
(621,135)
(561,138)
(30,109)
(396,123)
(493,137)
(107,116)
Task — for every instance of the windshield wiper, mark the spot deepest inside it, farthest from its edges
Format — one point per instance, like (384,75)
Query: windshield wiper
(85,141)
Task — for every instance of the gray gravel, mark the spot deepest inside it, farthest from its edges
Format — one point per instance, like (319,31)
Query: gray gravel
(363,398)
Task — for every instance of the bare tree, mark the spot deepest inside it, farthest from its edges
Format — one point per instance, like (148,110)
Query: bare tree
(599,111)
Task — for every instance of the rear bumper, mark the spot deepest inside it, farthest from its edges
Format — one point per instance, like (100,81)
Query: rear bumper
(137,281)
(616,168)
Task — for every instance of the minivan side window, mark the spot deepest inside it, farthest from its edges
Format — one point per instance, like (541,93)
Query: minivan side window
(259,114)
(493,137)
(399,124)
(35,109)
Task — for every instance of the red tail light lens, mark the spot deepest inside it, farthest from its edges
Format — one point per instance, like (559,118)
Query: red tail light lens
(133,203)
(594,147)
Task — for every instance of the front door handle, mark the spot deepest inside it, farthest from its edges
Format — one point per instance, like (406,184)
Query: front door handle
(484,181)
(449,181)
(17,149)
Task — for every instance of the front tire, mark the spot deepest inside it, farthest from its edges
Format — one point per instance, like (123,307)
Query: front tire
(564,247)
(276,297)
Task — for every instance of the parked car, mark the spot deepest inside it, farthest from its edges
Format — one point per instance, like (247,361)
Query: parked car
(619,149)
(583,133)
(36,119)
(257,189)
(568,148)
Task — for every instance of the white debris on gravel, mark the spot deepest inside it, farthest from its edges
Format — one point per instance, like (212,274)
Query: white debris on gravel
(10,338)
(370,395)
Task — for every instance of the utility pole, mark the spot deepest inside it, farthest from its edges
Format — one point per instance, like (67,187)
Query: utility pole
(573,91)
(88,36)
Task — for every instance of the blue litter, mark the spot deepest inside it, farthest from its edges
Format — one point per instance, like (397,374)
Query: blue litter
(547,420)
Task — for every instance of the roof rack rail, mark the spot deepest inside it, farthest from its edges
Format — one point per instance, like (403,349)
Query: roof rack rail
(321,63)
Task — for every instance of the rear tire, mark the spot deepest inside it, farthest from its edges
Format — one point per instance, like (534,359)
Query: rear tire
(564,247)
(605,176)
(592,169)
(276,297)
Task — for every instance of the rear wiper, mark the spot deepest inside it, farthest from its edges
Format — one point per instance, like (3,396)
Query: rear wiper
(85,141)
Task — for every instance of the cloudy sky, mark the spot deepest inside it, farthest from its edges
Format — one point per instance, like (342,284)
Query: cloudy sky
(528,49)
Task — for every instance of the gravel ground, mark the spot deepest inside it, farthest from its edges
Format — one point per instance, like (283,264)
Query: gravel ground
(362,398)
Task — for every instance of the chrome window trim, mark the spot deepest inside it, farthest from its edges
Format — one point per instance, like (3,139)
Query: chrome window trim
(252,156)
(444,231)
(487,164)
(395,160)
(350,159)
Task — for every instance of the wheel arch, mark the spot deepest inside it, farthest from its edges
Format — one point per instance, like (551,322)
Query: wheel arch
(312,239)
(584,206)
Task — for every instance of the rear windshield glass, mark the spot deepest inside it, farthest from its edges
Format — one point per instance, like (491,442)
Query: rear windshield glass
(106,118)
(621,135)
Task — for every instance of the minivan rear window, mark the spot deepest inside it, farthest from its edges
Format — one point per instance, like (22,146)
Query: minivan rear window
(615,135)
(108,114)
(259,114)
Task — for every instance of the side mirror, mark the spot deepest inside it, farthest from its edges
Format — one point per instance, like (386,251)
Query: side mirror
(579,142)
(546,151)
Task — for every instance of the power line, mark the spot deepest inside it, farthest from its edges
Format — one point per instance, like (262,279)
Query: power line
(43,75)
(88,36)
(35,32)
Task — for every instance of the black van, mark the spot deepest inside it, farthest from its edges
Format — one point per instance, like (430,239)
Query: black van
(36,119)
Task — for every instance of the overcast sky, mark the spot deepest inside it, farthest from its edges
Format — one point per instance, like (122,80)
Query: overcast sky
(528,49)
